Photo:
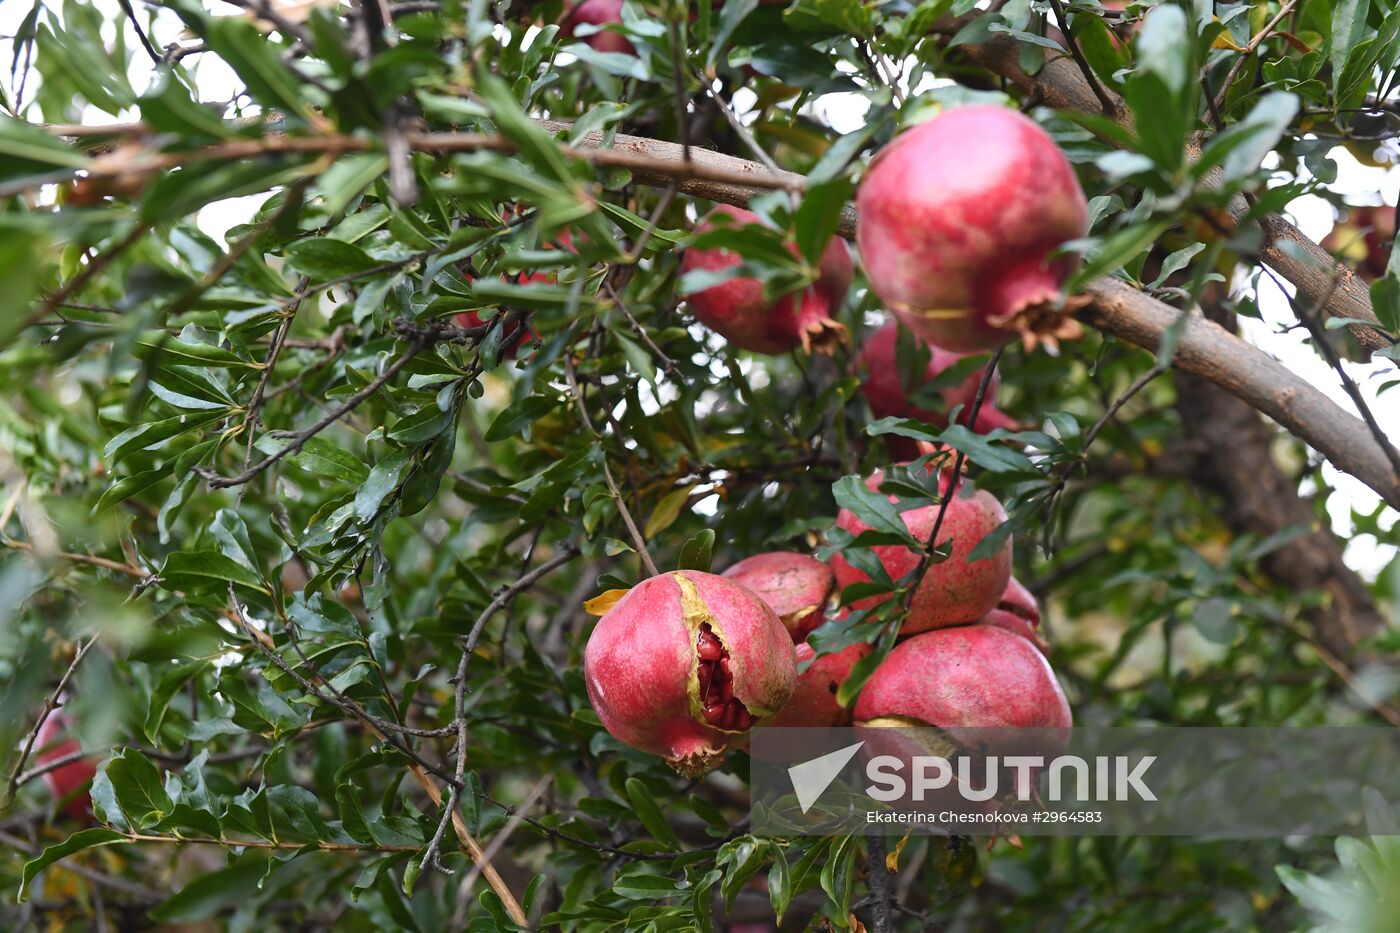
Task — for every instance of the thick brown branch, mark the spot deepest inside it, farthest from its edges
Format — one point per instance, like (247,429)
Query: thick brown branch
(1208,350)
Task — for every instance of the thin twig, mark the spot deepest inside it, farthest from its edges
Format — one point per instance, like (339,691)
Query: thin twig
(95,265)
(129,888)
(955,474)
(1254,43)
(49,703)
(1109,107)
(299,439)
(637,540)
(140,33)
(129,569)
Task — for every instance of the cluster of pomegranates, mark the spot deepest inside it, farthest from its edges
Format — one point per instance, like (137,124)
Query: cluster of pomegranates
(686,663)
(960,220)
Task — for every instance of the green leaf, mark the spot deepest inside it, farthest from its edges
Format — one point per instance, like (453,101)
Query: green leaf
(137,787)
(817,217)
(647,810)
(342,182)
(85,839)
(645,887)
(256,60)
(1265,124)
(696,554)
(324,259)
(170,683)
(323,458)
(381,481)
(161,347)
(208,895)
(206,570)
(28,150)
(838,875)
(1348,28)
(871,507)
(1163,47)
(1117,250)
(168,106)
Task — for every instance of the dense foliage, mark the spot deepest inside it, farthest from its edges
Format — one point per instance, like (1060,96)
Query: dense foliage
(313,501)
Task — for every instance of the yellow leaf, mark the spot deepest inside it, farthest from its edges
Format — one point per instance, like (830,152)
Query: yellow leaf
(892,858)
(667,511)
(1223,41)
(600,604)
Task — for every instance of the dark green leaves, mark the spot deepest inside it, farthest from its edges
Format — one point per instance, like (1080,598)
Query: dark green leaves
(257,63)
(871,507)
(137,789)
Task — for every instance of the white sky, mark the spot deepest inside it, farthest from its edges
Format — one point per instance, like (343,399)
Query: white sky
(845,113)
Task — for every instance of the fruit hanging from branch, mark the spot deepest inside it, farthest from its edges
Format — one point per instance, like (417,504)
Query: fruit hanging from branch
(884,387)
(1018,613)
(795,586)
(685,664)
(968,677)
(737,310)
(955,591)
(813,702)
(959,217)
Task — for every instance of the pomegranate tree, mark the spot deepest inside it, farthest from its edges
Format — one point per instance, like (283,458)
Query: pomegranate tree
(685,664)
(737,310)
(955,591)
(958,218)
(795,586)
(882,383)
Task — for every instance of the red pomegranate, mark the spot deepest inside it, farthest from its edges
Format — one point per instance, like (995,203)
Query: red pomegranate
(737,310)
(685,664)
(954,592)
(794,586)
(597,13)
(1018,613)
(68,783)
(883,386)
(968,677)
(813,703)
(958,216)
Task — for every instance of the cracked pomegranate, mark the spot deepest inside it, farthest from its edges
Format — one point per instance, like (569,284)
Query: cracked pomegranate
(737,310)
(958,217)
(795,586)
(684,664)
(955,591)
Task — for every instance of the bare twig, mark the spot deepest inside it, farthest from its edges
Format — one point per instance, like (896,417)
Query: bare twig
(1254,43)
(1110,106)
(49,703)
(95,265)
(954,475)
(129,569)
(299,439)
(637,539)
(140,33)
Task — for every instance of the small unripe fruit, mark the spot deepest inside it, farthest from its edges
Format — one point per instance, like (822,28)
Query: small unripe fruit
(795,586)
(685,664)
(954,592)
(958,217)
(968,677)
(813,703)
(882,383)
(68,783)
(737,310)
